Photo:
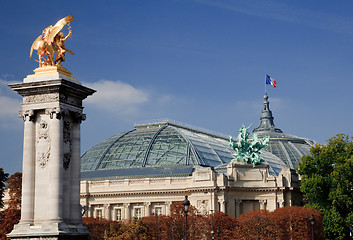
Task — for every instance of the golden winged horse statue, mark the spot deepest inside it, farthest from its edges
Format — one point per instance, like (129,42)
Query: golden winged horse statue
(50,41)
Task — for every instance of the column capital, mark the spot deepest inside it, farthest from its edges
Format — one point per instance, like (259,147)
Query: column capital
(58,111)
(222,201)
(26,115)
(78,117)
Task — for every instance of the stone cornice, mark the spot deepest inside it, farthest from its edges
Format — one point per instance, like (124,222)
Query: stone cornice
(67,90)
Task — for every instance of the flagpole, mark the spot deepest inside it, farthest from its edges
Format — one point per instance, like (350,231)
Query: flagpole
(265,86)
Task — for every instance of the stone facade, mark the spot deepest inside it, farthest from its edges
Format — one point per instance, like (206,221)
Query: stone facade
(241,189)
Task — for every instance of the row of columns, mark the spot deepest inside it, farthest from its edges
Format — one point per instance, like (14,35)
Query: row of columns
(126,208)
(60,200)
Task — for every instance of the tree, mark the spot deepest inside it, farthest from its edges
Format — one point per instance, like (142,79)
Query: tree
(294,223)
(11,216)
(15,190)
(327,184)
(99,226)
(3,177)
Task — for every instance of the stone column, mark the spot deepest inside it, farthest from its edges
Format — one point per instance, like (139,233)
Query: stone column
(147,209)
(90,210)
(28,176)
(51,197)
(280,203)
(75,167)
(222,204)
(127,212)
(55,190)
(167,208)
(237,207)
(263,204)
(107,211)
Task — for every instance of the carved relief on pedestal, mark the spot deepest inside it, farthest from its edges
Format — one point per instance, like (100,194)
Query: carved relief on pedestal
(43,144)
(67,144)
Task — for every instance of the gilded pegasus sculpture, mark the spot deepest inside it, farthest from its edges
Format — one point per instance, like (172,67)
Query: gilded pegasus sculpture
(52,41)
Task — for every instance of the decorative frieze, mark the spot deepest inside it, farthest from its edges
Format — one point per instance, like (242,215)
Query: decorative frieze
(40,98)
(70,100)
(52,97)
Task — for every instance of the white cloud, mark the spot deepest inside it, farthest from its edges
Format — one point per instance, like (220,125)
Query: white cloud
(9,107)
(117,97)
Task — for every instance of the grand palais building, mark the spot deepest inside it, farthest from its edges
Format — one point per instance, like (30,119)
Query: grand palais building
(141,172)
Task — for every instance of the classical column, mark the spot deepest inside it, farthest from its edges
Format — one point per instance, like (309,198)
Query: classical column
(127,211)
(237,207)
(51,153)
(263,204)
(75,166)
(90,210)
(167,208)
(55,190)
(147,209)
(280,203)
(222,204)
(28,170)
(107,211)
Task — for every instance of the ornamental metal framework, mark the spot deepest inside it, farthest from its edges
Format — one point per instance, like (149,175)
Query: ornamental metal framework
(172,148)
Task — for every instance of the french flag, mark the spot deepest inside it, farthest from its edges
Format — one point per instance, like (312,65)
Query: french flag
(270,81)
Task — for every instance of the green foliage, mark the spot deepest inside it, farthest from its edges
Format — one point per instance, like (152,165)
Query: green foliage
(3,177)
(327,183)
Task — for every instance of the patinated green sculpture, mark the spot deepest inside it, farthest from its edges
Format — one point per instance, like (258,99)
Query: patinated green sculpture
(247,150)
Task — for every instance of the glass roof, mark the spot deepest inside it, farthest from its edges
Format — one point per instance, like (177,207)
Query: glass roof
(167,145)
(156,148)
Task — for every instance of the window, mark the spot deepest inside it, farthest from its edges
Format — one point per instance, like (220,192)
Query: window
(158,211)
(118,214)
(138,213)
(99,213)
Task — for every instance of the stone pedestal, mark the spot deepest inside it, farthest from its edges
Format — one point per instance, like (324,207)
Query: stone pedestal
(52,114)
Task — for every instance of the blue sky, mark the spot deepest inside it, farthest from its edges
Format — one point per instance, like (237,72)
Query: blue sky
(201,62)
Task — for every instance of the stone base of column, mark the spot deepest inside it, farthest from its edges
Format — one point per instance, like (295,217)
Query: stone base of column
(49,231)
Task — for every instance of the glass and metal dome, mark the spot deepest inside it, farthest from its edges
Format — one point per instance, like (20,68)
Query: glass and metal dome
(162,148)
(287,147)
(166,148)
